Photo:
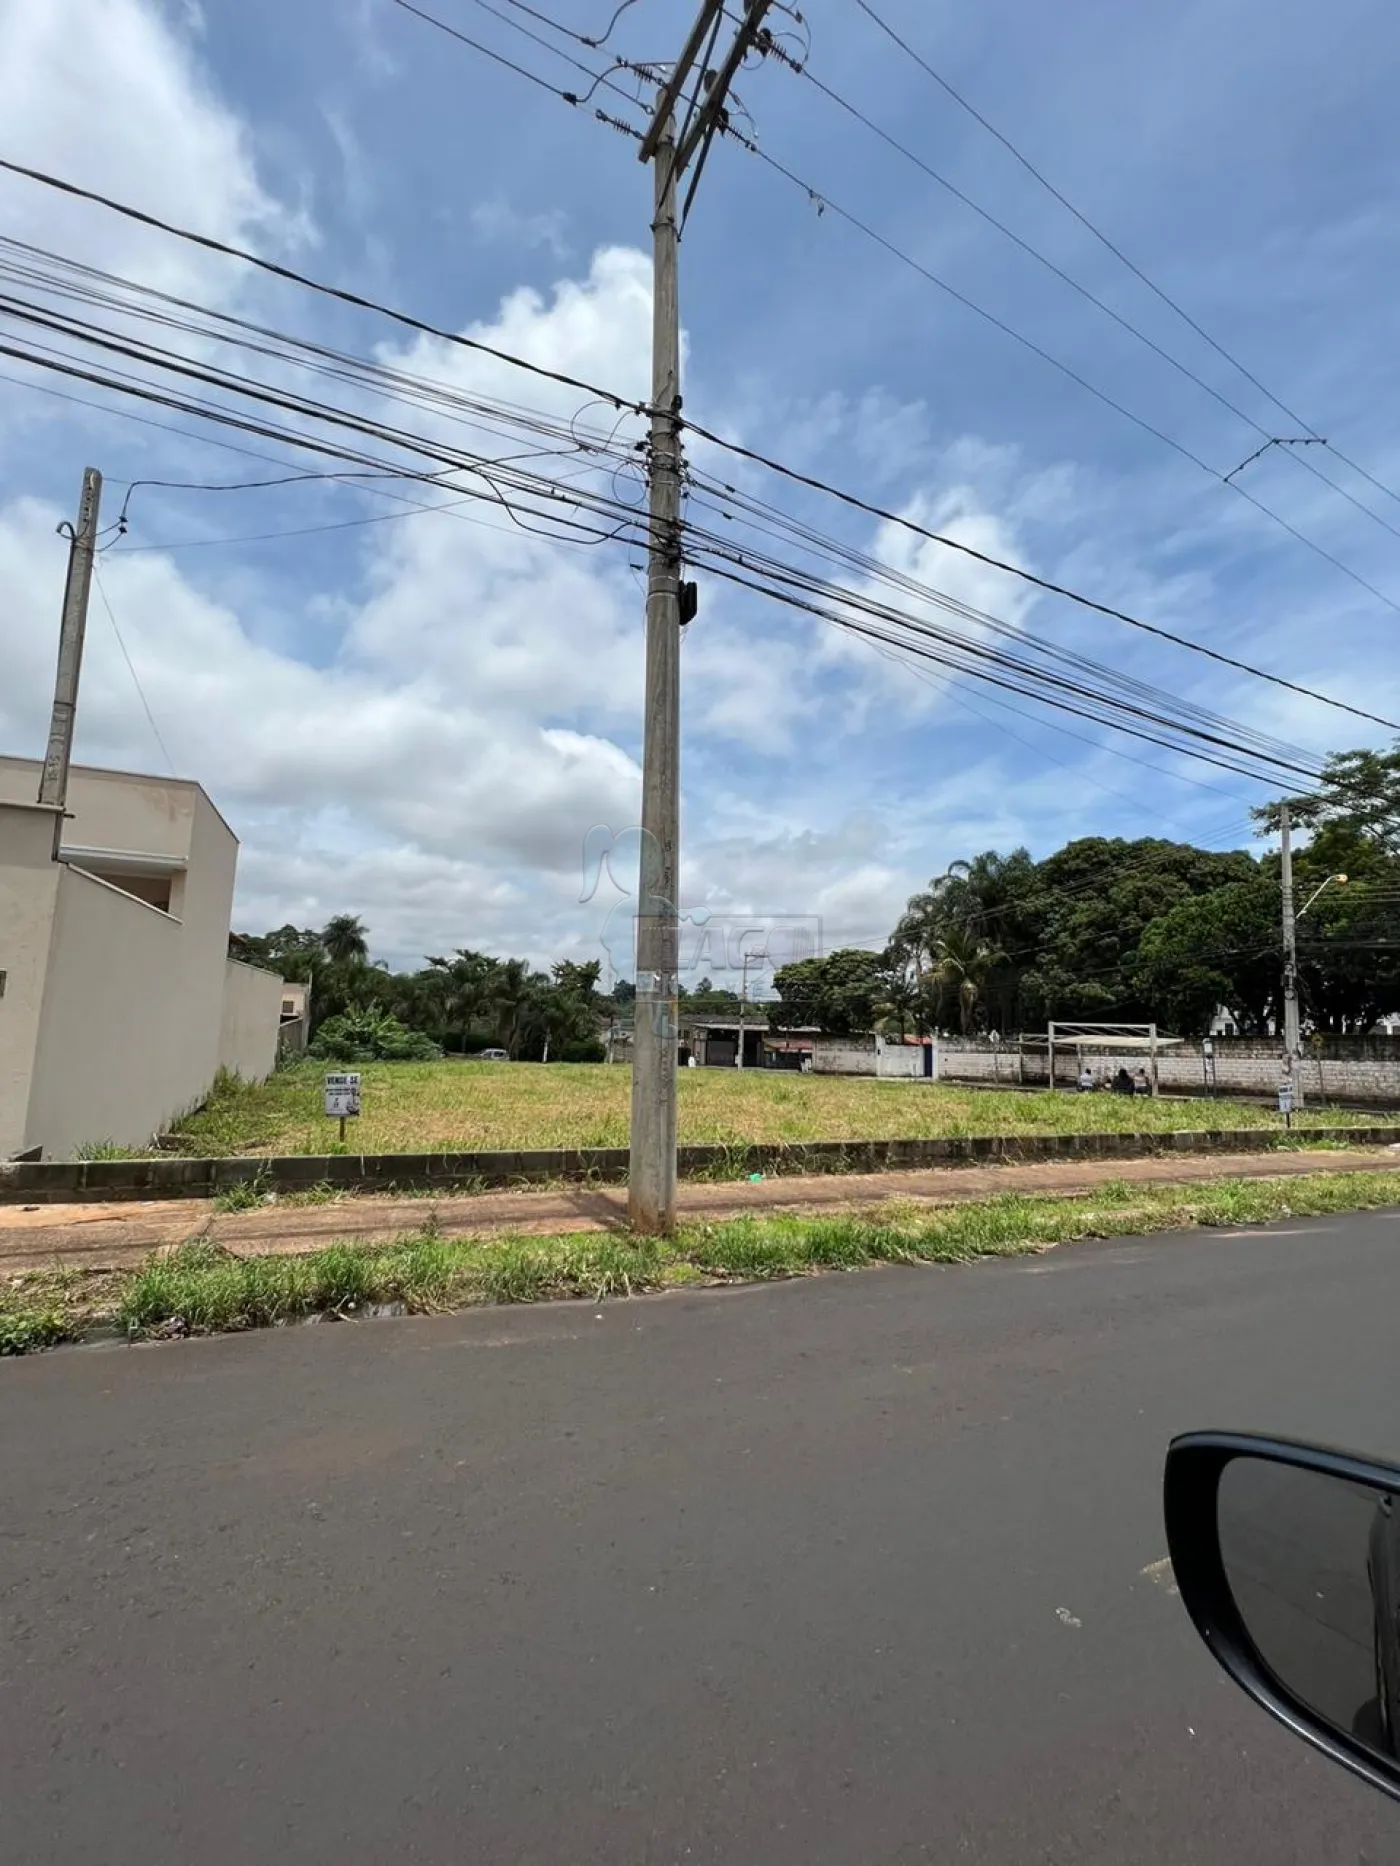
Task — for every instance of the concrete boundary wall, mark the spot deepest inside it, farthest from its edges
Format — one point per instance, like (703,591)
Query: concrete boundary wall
(1361,1070)
(37,1182)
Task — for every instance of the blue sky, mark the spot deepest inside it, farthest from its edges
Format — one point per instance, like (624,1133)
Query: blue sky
(420,720)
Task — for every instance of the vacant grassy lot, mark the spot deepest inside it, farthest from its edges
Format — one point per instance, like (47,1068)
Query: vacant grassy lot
(202,1288)
(453,1106)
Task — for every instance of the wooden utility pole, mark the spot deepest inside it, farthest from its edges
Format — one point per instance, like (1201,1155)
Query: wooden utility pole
(651,1198)
(53,780)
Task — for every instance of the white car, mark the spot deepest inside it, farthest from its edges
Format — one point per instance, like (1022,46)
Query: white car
(492,1056)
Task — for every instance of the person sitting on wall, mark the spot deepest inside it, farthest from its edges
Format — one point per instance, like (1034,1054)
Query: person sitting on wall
(1086,1079)
(1122,1082)
(1142,1086)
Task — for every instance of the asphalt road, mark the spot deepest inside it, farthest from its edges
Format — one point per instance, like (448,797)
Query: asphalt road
(847,1570)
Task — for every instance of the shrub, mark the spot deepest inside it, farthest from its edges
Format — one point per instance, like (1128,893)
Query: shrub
(586,1050)
(369,1036)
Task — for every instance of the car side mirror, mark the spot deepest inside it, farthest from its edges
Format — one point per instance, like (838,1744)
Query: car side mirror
(1287,1558)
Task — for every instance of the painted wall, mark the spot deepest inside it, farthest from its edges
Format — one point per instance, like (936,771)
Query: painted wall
(134,1004)
(897,1061)
(843,1056)
(1364,1069)
(115,809)
(251,1022)
(119,1050)
(28,894)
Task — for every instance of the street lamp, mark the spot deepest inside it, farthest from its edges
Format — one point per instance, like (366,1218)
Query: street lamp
(1292,1038)
(1341,882)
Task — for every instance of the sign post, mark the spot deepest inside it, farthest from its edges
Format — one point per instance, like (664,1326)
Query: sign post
(342,1099)
(1285,1102)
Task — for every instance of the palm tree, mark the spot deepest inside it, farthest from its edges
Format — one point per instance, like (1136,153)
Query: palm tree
(463,988)
(344,940)
(961,963)
(509,990)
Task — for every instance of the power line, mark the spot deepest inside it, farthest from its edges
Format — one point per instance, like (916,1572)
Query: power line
(1027,576)
(378,431)
(621,404)
(824,203)
(307,531)
(337,292)
(131,669)
(1124,712)
(1108,311)
(1118,253)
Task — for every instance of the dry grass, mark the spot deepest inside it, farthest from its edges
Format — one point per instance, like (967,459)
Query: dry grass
(464,1107)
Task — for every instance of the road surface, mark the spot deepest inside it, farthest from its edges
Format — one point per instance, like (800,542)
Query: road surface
(859,1569)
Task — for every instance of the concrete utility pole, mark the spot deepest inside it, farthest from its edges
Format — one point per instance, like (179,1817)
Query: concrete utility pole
(53,780)
(651,1196)
(1292,1035)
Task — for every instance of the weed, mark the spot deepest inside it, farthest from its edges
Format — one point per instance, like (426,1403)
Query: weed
(201,1287)
(322,1193)
(243,1195)
(111,1150)
(25,1327)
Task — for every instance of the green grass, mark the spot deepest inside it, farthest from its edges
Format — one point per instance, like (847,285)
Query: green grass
(463,1107)
(243,1196)
(202,1288)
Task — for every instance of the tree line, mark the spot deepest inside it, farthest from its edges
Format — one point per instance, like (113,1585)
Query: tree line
(1105,930)
(465,1002)
(1116,931)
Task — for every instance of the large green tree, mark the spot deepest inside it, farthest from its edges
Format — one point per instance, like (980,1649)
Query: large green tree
(840,995)
(1220,948)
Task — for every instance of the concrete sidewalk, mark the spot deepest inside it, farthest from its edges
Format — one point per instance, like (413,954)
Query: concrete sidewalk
(102,1237)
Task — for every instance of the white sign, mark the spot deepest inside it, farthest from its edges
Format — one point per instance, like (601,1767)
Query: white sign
(1285,1098)
(342,1095)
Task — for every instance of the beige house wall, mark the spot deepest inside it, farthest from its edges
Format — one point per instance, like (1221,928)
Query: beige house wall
(251,1023)
(114,809)
(119,1014)
(119,1051)
(28,894)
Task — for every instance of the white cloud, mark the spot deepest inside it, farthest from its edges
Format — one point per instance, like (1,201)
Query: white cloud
(428,739)
(108,94)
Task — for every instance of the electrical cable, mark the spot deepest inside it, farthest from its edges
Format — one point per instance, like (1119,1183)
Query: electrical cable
(824,202)
(812,483)
(1117,252)
(131,669)
(337,292)
(1092,298)
(1119,709)
(735,448)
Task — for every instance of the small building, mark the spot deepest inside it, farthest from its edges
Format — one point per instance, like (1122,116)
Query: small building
(119,1003)
(294,1031)
(714,1043)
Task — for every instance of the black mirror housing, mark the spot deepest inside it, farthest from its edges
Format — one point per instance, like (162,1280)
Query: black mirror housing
(1269,1543)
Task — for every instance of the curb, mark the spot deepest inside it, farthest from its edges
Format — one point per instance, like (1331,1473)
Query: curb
(42,1182)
